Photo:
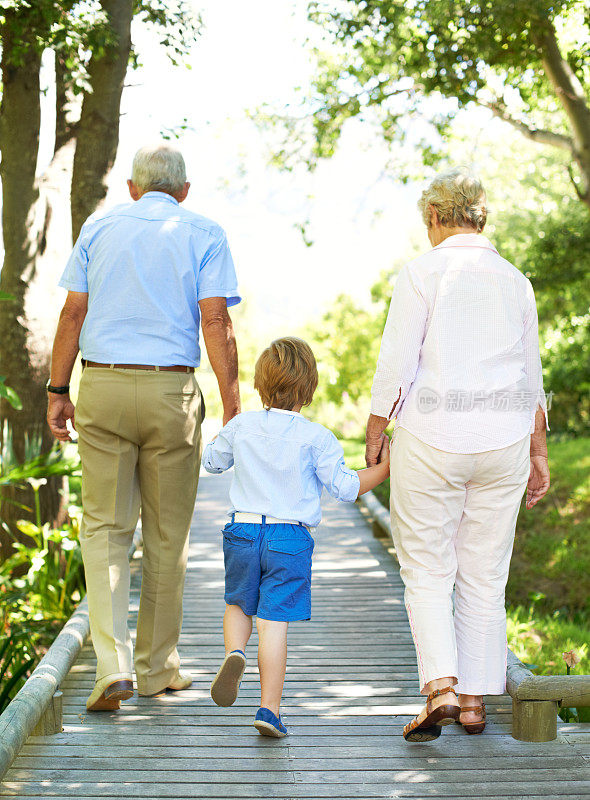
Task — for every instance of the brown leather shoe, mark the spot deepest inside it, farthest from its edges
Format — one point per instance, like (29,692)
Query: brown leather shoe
(108,693)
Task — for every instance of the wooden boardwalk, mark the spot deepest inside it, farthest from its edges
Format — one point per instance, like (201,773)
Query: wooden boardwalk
(351,684)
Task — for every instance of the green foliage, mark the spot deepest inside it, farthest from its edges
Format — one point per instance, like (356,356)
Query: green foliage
(176,23)
(42,580)
(77,30)
(404,69)
(346,345)
(38,466)
(40,586)
(539,639)
(549,240)
(552,551)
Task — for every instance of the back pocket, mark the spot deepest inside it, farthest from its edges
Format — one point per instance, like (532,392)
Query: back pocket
(291,541)
(237,534)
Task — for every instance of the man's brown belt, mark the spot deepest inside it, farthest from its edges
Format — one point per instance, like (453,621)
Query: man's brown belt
(176,368)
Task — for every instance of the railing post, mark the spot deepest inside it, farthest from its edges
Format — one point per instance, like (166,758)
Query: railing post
(534,720)
(52,718)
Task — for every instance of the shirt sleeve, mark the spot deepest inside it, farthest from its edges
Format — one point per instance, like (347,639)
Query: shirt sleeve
(218,456)
(532,360)
(217,274)
(75,275)
(342,483)
(400,347)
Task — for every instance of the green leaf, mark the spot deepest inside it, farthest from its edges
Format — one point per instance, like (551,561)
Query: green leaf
(10,395)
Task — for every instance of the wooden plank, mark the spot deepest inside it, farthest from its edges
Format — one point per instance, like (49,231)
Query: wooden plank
(288,789)
(470,764)
(281,772)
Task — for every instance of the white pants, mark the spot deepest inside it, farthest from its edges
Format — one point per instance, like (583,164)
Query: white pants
(453,518)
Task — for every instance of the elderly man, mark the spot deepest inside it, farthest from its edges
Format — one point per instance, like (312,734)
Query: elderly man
(140,280)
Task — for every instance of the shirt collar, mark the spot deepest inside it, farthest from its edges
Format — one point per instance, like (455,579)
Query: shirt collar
(286,411)
(160,196)
(467,240)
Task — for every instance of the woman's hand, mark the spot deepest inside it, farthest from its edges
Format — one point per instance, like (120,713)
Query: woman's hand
(539,480)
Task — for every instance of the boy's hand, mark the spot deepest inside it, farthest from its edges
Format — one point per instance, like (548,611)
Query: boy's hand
(384,452)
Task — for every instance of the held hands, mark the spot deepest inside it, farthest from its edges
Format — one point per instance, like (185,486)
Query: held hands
(59,410)
(539,480)
(384,452)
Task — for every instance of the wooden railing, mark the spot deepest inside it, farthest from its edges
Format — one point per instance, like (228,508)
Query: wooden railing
(36,709)
(535,698)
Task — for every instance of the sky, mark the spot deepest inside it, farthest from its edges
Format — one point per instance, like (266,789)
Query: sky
(261,58)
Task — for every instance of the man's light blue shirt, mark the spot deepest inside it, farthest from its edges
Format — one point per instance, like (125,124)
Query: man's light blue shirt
(146,265)
(281,461)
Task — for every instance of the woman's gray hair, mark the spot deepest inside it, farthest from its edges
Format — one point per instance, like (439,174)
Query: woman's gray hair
(458,198)
(159,168)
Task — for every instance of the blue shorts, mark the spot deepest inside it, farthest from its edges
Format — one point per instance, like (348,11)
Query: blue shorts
(268,570)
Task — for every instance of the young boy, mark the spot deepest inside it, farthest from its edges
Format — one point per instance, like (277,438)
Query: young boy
(281,463)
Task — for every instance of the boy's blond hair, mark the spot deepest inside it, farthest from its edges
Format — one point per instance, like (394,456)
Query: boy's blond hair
(286,374)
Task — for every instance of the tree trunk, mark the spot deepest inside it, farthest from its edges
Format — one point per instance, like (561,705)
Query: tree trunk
(23,235)
(572,97)
(98,129)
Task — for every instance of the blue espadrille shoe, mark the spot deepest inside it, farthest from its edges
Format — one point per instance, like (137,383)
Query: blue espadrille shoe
(225,686)
(268,724)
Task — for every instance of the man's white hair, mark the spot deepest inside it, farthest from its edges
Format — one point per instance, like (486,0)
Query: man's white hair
(159,168)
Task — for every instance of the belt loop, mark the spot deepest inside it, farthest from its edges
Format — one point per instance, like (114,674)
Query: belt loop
(264,519)
(111,366)
(233,518)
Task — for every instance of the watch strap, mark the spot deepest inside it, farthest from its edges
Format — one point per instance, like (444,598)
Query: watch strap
(58,389)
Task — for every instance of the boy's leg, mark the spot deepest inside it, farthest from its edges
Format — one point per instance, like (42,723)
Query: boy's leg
(272,661)
(237,629)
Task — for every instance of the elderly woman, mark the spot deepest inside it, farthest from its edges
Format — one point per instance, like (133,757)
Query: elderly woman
(459,370)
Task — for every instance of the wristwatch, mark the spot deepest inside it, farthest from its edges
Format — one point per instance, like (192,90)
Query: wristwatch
(57,389)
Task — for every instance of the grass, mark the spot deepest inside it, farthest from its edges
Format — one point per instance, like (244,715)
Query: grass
(548,592)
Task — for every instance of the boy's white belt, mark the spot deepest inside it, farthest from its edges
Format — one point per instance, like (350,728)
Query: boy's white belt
(263,519)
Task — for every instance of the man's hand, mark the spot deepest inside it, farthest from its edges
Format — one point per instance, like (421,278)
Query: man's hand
(539,480)
(59,410)
(374,439)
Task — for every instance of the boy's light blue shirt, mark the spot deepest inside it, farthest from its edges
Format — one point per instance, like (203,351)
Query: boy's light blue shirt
(145,266)
(282,461)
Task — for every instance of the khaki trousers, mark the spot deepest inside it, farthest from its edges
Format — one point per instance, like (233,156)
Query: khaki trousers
(453,519)
(140,447)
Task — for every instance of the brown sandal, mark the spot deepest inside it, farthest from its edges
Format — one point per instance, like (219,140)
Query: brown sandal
(431,725)
(475,727)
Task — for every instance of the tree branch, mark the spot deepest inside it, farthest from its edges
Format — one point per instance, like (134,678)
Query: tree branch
(584,196)
(539,135)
